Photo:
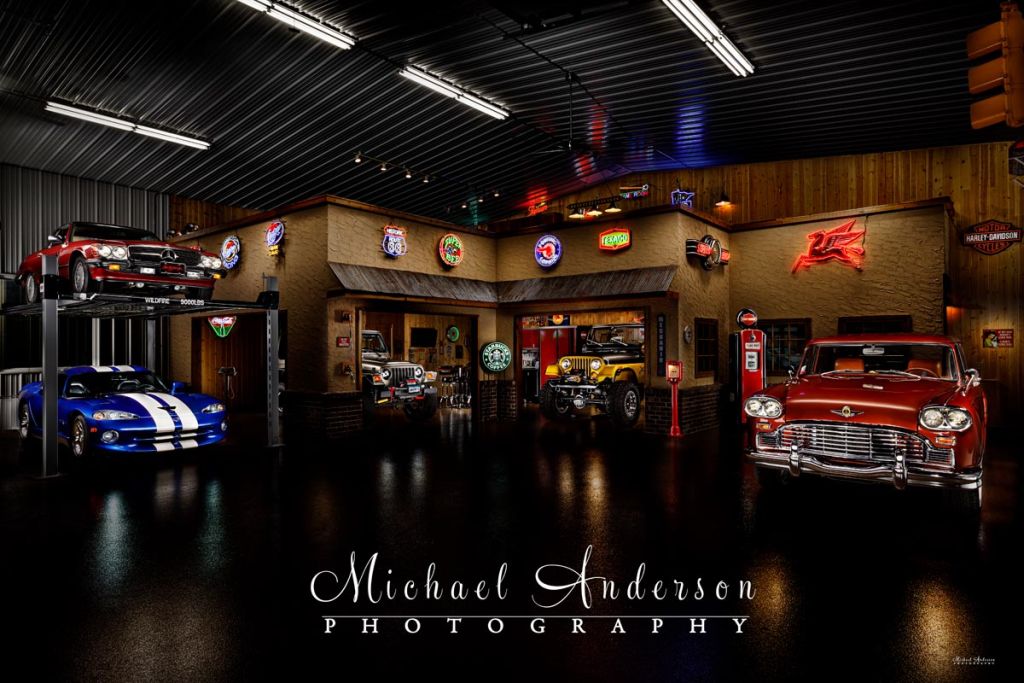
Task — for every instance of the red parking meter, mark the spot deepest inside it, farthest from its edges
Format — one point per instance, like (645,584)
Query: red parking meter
(747,359)
(674,373)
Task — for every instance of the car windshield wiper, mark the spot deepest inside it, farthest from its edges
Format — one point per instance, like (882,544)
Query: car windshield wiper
(838,374)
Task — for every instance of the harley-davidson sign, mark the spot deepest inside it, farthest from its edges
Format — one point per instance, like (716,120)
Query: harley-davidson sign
(991,237)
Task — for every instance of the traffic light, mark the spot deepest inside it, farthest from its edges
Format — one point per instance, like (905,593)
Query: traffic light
(1006,71)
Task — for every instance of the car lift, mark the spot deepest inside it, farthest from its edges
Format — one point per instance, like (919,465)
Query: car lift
(105,306)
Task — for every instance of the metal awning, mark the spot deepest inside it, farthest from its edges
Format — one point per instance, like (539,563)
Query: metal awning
(634,282)
(625,283)
(369,280)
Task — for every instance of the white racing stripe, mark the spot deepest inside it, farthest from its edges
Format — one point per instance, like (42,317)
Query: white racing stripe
(101,368)
(124,368)
(163,446)
(189,443)
(189,423)
(161,418)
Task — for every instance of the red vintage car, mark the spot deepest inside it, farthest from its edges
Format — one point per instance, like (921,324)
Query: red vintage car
(897,408)
(93,257)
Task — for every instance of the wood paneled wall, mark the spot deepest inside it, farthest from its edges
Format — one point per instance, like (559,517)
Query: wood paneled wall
(986,290)
(204,214)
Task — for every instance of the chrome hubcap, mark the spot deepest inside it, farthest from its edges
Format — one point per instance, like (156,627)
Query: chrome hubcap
(23,422)
(79,277)
(30,288)
(78,438)
(631,402)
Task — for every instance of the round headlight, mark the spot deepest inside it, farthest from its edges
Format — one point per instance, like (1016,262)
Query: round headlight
(595,364)
(385,373)
(216,262)
(205,262)
(771,408)
(753,407)
(109,436)
(119,253)
(418,371)
(932,418)
(565,363)
(957,418)
(103,250)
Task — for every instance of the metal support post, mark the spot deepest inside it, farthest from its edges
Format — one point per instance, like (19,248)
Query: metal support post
(151,359)
(51,287)
(270,296)
(96,360)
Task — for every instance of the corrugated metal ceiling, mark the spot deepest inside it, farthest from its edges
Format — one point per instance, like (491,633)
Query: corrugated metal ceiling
(285,112)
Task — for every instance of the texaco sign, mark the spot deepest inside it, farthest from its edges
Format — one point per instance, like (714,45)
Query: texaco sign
(991,237)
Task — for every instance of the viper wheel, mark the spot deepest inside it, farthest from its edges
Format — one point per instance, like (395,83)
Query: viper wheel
(79,438)
(550,406)
(24,423)
(421,410)
(30,289)
(81,280)
(624,403)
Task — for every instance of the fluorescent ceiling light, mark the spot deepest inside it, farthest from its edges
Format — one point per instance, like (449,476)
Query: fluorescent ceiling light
(453,91)
(302,22)
(121,124)
(694,18)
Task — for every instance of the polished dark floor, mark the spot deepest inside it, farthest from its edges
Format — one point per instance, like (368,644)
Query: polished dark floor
(199,568)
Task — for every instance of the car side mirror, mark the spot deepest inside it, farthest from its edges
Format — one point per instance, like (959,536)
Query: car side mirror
(791,371)
(53,239)
(76,390)
(178,387)
(972,378)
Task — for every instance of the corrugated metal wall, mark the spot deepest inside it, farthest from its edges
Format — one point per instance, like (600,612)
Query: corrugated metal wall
(34,203)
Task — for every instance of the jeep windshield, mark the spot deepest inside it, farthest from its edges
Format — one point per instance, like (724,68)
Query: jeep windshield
(910,361)
(375,343)
(611,336)
(93,231)
(98,383)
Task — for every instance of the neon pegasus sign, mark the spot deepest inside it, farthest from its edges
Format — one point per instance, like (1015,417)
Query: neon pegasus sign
(838,244)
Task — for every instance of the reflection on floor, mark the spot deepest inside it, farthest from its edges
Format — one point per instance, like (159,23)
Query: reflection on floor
(198,565)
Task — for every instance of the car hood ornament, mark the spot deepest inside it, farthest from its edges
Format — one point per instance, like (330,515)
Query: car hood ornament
(847,411)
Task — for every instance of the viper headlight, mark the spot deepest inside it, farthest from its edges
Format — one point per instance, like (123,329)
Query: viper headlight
(945,418)
(120,253)
(114,415)
(596,364)
(763,406)
(565,364)
(214,408)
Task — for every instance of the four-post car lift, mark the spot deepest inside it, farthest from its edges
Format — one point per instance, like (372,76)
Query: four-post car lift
(54,305)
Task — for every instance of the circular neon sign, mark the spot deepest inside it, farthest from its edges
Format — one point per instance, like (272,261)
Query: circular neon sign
(548,251)
(274,235)
(231,251)
(746,317)
(451,250)
(496,356)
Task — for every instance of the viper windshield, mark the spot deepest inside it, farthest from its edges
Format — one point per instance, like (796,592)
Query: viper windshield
(913,361)
(99,383)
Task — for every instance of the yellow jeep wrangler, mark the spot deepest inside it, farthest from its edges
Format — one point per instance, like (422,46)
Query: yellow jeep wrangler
(608,373)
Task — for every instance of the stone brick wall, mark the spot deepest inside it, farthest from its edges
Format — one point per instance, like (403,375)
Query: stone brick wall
(318,416)
(700,409)
(508,400)
(487,401)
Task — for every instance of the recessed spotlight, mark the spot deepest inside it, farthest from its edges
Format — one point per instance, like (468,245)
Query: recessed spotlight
(383,167)
(359,157)
(408,174)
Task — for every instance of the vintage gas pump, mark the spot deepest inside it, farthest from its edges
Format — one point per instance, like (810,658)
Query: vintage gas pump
(746,361)
(674,373)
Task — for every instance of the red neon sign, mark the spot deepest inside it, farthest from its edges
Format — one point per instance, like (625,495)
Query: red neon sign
(838,244)
(615,239)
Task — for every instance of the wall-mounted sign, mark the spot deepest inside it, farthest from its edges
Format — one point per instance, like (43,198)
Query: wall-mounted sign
(997,339)
(273,237)
(838,244)
(451,250)
(452,334)
(222,324)
(559,320)
(660,333)
(687,335)
(710,252)
(495,356)
(615,239)
(343,342)
(539,207)
(635,191)
(548,251)
(991,237)
(682,198)
(394,244)
(231,251)
(746,318)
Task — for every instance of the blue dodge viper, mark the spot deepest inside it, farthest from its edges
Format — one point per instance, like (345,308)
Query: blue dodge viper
(124,409)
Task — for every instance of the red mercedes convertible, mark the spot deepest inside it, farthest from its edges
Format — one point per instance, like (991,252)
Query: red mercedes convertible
(897,408)
(93,257)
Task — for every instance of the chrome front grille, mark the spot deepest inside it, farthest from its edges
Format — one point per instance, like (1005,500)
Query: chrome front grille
(188,257)
(401,374)
(852,442)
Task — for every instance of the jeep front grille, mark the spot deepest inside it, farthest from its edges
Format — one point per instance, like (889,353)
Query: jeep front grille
(400,375)
(579,364)
(867,443)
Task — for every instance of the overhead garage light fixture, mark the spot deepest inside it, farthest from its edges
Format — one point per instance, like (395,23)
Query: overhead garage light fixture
(697,21)
(302,22)
(121,124)
(453,91)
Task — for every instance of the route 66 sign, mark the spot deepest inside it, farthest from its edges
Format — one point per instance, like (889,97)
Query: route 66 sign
(394,244)
(496,356)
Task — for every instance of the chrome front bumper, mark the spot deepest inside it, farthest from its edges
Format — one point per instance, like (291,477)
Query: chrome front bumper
(900,473)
